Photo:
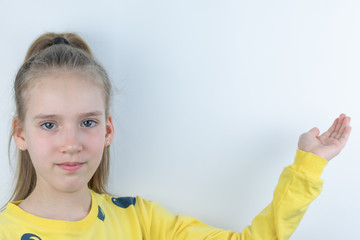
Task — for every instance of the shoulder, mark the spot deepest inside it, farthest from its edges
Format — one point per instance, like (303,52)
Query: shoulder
(3,221)
(121,204)
(8,215)
(115,201)
(134,211)
(127,205)
(10,222)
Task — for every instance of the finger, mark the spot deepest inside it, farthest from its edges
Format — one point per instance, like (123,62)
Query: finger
(345,123)
(345,136)
(338,125)
(314,131)
(331,130)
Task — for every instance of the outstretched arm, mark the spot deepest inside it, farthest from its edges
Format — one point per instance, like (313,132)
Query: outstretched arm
(299,184)
(330,143)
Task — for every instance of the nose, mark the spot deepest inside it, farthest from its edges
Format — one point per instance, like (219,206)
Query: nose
(72,143)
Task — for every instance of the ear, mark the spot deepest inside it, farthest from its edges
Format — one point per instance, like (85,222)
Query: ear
(18,134)
(109,129)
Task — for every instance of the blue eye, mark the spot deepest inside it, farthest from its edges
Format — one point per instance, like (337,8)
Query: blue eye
(88,123)
(48,125)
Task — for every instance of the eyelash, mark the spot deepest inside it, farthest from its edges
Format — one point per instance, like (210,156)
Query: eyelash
(93,123)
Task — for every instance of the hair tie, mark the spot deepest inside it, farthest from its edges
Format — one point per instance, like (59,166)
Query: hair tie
(59,40)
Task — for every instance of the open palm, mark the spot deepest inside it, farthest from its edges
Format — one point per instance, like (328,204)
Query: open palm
(330,143)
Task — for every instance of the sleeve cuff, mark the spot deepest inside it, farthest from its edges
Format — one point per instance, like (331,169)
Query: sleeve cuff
(309,163)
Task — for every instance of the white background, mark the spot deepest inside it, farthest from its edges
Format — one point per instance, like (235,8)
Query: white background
(211,97)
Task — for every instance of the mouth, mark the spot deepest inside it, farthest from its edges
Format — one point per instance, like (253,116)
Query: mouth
(70,166)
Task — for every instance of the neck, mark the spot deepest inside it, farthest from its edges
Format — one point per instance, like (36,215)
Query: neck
(57,205)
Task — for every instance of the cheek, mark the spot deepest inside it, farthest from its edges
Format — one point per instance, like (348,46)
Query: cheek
(40,150)
(95,142)
(39,144)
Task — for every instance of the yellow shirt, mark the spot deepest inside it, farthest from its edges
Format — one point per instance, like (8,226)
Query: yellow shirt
(131,218)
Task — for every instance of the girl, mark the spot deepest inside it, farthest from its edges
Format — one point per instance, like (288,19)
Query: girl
(63,130)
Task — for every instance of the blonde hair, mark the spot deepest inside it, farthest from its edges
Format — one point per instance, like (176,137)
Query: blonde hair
(46,56)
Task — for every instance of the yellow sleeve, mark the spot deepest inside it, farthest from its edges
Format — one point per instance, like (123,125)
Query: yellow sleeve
(299,184)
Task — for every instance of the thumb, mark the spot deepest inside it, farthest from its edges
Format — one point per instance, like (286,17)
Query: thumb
(314,131)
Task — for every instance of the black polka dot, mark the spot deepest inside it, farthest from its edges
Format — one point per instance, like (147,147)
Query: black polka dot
(101,214)
(124,202)
(30,236)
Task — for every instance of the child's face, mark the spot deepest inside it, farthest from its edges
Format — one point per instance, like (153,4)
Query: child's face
(65,130)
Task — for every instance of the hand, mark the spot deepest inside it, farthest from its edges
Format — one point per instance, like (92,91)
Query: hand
(330,143)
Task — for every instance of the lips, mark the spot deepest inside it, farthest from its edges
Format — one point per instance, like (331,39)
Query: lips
(70,166)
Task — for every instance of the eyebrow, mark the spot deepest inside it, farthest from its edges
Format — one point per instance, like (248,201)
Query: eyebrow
(88,114)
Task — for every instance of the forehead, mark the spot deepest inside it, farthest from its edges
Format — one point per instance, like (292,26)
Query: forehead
(66,93)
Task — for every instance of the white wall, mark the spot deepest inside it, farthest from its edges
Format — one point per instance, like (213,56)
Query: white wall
(211,99)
